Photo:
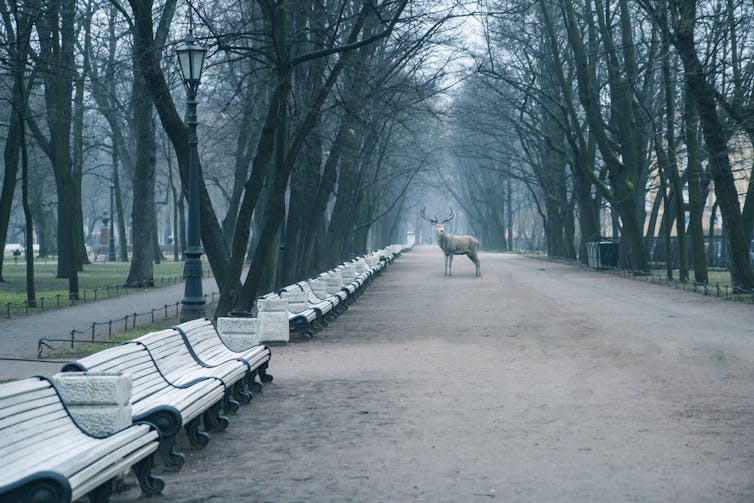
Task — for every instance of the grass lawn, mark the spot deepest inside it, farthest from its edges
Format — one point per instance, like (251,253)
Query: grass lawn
(94,276)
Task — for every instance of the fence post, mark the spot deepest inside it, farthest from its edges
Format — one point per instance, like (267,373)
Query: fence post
(7,310)
(73,334)
(109,329)
(94,325)
(134,323)
(166,311)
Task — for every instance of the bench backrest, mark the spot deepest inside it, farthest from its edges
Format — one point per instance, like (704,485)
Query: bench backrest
(318,287)
(32,416)
(169,351)
(202,338)
(128,359)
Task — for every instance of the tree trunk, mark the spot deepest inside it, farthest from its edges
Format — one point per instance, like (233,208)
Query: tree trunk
(147,57)
(672,163)
(31,295)
(741,273)
(11,158)
(696,203)
(57,41)
(141,273)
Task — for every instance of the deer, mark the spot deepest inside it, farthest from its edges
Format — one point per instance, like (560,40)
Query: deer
(453,244)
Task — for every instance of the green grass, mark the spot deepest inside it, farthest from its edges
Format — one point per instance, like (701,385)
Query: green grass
(98,275)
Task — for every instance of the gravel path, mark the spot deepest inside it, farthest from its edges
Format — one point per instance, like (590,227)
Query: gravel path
(537,382)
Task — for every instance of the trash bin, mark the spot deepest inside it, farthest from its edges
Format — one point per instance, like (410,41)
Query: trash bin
(602,253)
(592,254)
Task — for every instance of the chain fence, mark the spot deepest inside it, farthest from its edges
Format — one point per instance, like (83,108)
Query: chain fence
(102,331)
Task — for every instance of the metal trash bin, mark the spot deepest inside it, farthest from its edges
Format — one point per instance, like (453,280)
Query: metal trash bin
(602,253)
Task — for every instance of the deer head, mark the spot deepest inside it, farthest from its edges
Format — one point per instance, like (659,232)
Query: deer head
(437,223)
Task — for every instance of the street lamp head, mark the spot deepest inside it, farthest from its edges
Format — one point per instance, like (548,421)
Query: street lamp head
(191,59)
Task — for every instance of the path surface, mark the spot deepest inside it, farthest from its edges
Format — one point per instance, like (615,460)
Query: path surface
(537,382)
(19,336)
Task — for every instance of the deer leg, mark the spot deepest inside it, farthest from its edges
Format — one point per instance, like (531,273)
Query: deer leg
(450,265)
(474,258)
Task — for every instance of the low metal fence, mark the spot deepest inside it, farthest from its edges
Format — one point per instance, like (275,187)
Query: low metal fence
(101,331)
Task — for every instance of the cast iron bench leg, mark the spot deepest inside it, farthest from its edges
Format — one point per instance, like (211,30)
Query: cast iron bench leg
(196,437)
(151,485)
(212,418)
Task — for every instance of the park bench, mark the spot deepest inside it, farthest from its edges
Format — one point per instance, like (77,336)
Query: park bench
(306,303)
(176,361)
(333,280)
(207,347)
(353,281)
(155,399)
(46,457)
(326,304)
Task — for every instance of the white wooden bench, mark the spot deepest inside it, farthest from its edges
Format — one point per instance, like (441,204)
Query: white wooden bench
(46,457)
(326,304)
(169,406)
(333,283)
(179,365)
(208,347)
(353,281)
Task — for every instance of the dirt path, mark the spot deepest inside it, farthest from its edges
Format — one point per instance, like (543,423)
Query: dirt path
(537,382)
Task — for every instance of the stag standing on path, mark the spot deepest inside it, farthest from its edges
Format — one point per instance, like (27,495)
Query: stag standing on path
(452,244)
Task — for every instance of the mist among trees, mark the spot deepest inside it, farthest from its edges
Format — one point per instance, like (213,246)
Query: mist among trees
(324,127)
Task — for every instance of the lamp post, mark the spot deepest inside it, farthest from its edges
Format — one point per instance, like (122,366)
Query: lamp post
(191,58)
(111,241)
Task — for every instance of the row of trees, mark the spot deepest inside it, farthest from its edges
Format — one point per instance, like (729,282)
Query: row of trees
(321,135)
(644,107)
(312,120)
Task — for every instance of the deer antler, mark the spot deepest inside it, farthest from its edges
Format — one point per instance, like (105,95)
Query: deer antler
(433,221)
(451,217)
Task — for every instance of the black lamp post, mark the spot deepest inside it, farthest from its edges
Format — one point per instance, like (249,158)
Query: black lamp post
(191,59)
(111,241)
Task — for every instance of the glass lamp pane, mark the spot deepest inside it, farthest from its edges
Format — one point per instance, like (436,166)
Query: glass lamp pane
(184,62)
(197,60)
